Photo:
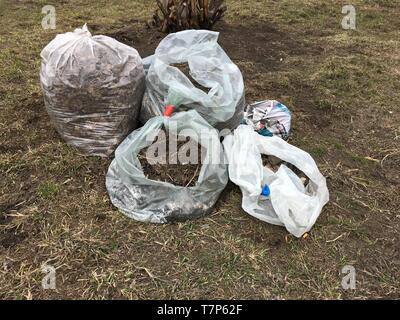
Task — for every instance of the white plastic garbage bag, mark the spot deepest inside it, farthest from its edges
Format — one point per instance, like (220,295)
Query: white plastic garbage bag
(93,88)
(222,106)
(291,204)
(160,202)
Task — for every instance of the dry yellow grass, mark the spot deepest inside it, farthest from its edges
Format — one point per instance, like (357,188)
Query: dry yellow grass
(343,88)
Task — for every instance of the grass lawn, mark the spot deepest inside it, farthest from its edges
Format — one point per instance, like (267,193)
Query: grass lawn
(343,88)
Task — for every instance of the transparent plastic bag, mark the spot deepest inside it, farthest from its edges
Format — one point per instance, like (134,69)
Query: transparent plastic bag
(93,88)
(161,202)
(291,204)
(222,106)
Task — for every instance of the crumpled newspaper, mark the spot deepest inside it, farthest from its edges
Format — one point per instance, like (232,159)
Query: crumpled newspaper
(269,118)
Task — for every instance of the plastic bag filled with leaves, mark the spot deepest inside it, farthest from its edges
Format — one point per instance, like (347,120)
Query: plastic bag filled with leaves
(93,88)
(146,199)
(194,65)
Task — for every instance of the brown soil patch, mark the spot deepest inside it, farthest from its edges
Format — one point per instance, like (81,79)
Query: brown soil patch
(9,238)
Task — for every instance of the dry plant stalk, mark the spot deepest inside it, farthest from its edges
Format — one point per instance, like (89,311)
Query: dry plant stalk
(177,15)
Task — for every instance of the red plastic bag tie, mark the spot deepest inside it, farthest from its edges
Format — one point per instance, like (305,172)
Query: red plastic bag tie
(169,110)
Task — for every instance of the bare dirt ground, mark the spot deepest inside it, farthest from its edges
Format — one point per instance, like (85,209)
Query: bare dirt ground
(343,87)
